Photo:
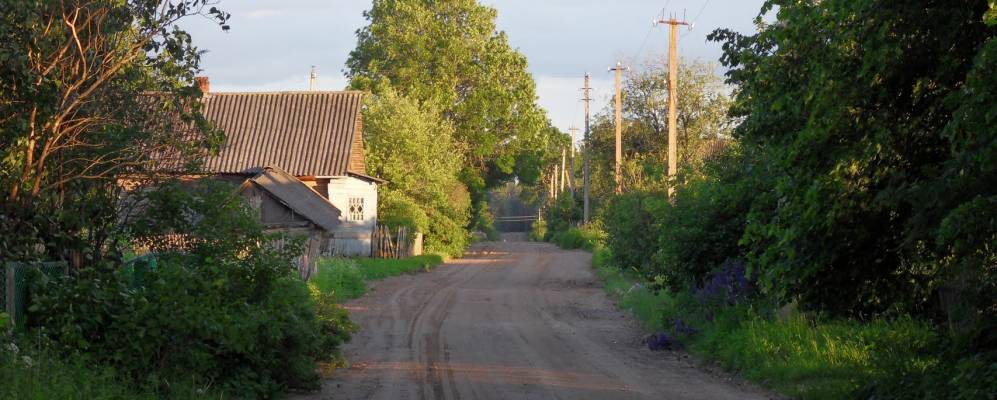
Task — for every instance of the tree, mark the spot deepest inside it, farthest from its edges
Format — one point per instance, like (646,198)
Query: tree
(412,147)
(702,120)
(448,54)
(854,102)
(76,110)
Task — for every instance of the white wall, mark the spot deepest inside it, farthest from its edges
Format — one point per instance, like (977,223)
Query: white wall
(341,190)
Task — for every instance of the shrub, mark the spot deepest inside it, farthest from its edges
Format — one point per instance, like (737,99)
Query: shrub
(484,221)
(395,210)
(631,232)
(340,277)
(563,213)
(538,230)
(335,327)
(32,372)
(585,237)
(701,228)
(231,312)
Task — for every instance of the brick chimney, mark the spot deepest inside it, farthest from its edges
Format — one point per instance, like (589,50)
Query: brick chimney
(203,84)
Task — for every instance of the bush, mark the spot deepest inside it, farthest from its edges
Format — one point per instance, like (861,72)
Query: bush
(30,372)
(538,230)
(631,231)
(395,210)
(701,228)
(585,238)
(231,312)
(484,221)
(340,277)
(563,213)
(335,326)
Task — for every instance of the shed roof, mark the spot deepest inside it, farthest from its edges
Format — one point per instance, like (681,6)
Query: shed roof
(303,133)
(298,197)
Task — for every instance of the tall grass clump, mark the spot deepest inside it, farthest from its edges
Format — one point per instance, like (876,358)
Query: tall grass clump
(347,278)
(340,277)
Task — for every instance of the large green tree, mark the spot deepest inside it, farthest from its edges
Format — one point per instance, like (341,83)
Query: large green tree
(412,147)
(862,107)
(449,54)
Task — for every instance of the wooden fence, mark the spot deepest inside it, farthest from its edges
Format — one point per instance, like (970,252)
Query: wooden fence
(398,244)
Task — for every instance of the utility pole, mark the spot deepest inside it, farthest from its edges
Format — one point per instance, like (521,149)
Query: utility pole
(673,71)
(557,173)
(571,173)
(619,126)
(564,171)
(586,155)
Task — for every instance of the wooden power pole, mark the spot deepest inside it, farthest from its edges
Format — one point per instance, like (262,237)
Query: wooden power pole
(564,170)
(619,126)
(673,71)
(587,142)
(571,160)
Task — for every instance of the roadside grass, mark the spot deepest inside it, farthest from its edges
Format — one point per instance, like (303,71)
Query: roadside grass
(347,278)
(28,374)
(583,237)
(796,354)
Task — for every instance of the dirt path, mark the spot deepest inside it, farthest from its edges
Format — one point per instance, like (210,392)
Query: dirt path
(513,320)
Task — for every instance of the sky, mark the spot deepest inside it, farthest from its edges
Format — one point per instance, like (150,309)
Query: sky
(272,44)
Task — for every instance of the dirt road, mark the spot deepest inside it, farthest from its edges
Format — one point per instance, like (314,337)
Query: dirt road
(513,320)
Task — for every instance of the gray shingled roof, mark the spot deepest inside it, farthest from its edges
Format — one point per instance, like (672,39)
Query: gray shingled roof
(303,133)
(299,197)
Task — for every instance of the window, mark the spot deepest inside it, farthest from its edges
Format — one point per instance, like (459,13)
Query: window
(356,209)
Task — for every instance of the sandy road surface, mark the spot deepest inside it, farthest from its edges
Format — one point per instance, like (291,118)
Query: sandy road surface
(513,320)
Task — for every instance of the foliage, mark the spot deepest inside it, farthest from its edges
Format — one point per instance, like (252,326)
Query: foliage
(702,227)
(538,230)
(702,125)
(396,210)
(380,268)
(563,213)
(412,147)
(231,312)
(335,327)
(30,371)
(4,322)
(870,123)
(484,221)
(449,55)
(800,355)
(629,226)
(77,114)
(340,277)
(586,237)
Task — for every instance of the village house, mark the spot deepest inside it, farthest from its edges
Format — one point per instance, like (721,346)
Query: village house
(298,158)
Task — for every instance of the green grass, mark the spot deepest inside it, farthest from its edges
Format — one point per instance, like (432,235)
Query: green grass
(29,375)
(796,354)
(585,237)
(347,278)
